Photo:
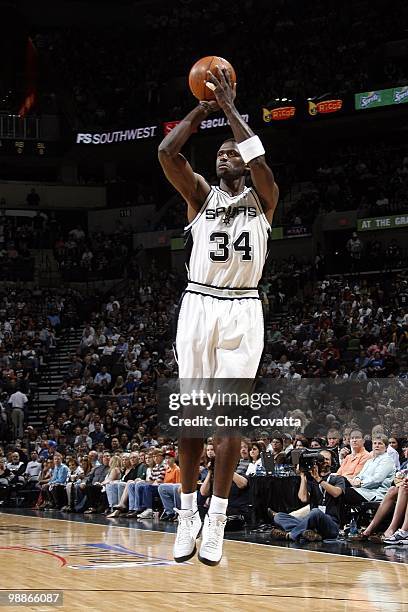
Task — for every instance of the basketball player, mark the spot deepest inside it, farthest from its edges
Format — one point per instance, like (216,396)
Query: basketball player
(220,330)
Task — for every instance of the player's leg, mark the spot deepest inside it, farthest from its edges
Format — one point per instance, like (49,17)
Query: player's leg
(393,535)
(190,451)
(192,344)
(189,522)
(227,450)
(384,509)
(240,346)
(227,456)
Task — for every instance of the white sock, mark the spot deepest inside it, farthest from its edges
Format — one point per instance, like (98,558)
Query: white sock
(189,501)
(218,505)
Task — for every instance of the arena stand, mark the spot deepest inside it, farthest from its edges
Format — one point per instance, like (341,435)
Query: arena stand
(110,349)
(339,40)
(316,329)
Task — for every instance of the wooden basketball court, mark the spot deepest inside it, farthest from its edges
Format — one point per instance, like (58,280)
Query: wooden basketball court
(109,568)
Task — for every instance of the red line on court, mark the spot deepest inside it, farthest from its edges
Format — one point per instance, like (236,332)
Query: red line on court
(36,550)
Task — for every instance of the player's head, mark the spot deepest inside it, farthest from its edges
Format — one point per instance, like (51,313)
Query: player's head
(230,164)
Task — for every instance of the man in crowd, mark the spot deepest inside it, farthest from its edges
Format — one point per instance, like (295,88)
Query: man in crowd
(18,402)
(375,477)
(170,489)
(17,469)
(92,486)
(151,487)
(352,463)
(33,470)
(55,490)
(323,491)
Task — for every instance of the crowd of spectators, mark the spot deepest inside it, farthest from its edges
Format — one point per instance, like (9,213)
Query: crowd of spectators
(342,43)
(30,323)
(372,179)
(95,255)
(319,333)
(16,261)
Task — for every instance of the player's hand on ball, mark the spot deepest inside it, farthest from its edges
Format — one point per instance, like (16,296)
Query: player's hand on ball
(210,105)
(223,90)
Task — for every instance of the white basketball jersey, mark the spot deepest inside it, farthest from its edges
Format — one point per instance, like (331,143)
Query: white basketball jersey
(228,241)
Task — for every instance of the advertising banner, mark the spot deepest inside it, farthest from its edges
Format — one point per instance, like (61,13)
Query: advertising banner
(117,136)
(219,122)
(296,231)
(381,97)
(324,107)
(381,223)
(281,113)
(168,126)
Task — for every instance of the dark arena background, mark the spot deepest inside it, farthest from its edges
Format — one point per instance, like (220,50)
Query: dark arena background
(93,268)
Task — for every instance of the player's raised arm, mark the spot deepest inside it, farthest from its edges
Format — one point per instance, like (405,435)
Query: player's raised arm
(249,145)
(192,186)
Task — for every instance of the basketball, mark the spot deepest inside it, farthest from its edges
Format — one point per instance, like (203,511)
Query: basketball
(198,76)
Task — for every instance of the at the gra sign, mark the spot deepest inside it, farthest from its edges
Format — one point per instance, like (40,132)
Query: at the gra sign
(218,122)
(118,136)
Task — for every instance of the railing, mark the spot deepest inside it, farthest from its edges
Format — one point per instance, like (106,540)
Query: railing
(14,126)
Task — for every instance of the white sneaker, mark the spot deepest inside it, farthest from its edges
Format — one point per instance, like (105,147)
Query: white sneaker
(146,514)
(189,526)
(399,537)
(212,539)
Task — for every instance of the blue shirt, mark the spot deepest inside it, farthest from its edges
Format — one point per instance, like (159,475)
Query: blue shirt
(60,474)
(376,477)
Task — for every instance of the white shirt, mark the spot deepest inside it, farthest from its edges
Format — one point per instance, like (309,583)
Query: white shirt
(33,469)
(251,469)
(394,456)
(18,399)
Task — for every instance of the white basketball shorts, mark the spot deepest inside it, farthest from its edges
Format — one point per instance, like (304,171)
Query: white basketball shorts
(219,337)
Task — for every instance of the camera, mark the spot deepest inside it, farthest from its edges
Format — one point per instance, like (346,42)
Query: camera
(309,458)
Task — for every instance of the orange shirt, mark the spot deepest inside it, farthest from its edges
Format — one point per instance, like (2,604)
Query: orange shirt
(172,475)
(353,464)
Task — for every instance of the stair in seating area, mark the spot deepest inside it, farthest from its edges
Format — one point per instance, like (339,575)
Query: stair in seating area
(53,375)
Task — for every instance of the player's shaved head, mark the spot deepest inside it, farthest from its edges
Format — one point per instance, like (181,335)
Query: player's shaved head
(228,140)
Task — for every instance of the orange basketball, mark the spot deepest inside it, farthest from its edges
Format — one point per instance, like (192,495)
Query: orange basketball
(198,76)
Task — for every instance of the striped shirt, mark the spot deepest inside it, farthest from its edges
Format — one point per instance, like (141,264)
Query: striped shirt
(158,472)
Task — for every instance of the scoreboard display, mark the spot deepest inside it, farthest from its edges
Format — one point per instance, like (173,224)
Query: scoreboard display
(25,147)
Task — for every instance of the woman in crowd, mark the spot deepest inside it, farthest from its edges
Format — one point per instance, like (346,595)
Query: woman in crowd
(255,467)
(207,460)
(136,474)
(394,451)
(76,474)
(300,442)
(150,462)
(5,475)
(43,481)
(397,495)
(115,488)
(109,426)
(316,443)
(376,477)
(278,452)
(119,386)
(109,348)
(94,493)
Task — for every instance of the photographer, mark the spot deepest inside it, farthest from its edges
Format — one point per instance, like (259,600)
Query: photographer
(323,490)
